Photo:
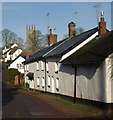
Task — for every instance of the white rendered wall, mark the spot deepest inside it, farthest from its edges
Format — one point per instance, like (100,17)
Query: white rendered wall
(17,61)
(93,82)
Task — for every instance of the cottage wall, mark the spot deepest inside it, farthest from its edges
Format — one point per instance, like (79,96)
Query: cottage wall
(67,79)
(62,81)
(18,61)
(39,75)
(93,82)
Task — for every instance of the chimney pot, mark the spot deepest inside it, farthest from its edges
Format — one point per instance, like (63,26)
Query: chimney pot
(102,24)
(52,38)
(71,27)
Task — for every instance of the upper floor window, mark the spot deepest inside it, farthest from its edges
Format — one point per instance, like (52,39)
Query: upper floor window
(56,67)
(20,66)
(37,66)
(47,68)
(42,65)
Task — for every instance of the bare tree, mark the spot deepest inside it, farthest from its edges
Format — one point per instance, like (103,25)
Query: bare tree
(10,37)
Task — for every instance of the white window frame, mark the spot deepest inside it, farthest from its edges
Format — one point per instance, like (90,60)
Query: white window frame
(37,66)
(56,66)
(38,81)
(57,83)
(42,65)
(47,67)
(43,82)
(49,81)
(27,67)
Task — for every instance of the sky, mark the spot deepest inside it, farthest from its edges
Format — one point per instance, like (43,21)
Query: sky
(16,15)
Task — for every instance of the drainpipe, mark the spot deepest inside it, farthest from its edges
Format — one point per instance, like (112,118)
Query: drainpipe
(45,76)
(74,99)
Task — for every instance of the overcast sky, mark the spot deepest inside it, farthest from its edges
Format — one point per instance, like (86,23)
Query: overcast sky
(15,16)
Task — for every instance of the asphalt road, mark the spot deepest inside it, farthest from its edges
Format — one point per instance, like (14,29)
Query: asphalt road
(20,105)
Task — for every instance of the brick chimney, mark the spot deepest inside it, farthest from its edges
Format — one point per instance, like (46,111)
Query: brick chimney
(71,27)
(52,38)
(102,24)
(27,54)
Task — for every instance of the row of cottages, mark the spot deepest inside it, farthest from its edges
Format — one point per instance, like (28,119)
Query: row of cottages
(80,66)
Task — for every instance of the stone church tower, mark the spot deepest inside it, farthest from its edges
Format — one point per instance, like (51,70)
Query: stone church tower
(31,39)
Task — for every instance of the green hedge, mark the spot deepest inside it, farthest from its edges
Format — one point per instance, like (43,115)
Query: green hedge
(11,73)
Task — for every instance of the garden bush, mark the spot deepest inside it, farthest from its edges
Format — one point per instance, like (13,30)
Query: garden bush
(11,73)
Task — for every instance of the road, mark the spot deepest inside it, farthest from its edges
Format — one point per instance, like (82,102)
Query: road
(20,105)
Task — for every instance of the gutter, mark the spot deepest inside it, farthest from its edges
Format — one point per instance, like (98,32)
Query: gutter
(45,76)
(74,99)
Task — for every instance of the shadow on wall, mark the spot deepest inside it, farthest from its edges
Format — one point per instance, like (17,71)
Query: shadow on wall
(67,68)
(95,76)
(87,70)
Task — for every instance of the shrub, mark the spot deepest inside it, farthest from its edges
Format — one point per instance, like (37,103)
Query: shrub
(11,73)
(27,85)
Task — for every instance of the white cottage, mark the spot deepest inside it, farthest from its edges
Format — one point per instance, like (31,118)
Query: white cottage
(17,63)
(10,52)
(79,66)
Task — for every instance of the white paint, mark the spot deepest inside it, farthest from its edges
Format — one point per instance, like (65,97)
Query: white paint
(17,61)
(16,54)
(14,45)
(78,47)
(52,85)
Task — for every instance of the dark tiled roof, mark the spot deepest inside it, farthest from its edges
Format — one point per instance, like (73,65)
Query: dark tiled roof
(9,45)
(94,52)
(72,42)
(61,46)
(13,50)
(42,52)
(6,51)
(21,55)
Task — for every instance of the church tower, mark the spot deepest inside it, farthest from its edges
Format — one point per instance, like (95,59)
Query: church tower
(30,39)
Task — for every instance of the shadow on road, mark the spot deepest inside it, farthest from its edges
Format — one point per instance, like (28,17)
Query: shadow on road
(8,94)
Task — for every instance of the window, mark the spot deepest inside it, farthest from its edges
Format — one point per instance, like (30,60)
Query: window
(47,69)
(19,66)
(42,65)
(56,67)
(27,67)
(37,65)
(43,82)
(48,82)
(38,81)
(57,84)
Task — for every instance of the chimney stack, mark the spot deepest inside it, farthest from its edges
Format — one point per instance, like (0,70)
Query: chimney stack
(71,27)
(52,38)
(102,24)
(27,54)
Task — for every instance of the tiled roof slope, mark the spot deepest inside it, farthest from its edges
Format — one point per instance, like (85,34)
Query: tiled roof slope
(61,46)
(42,52)
(72,42)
